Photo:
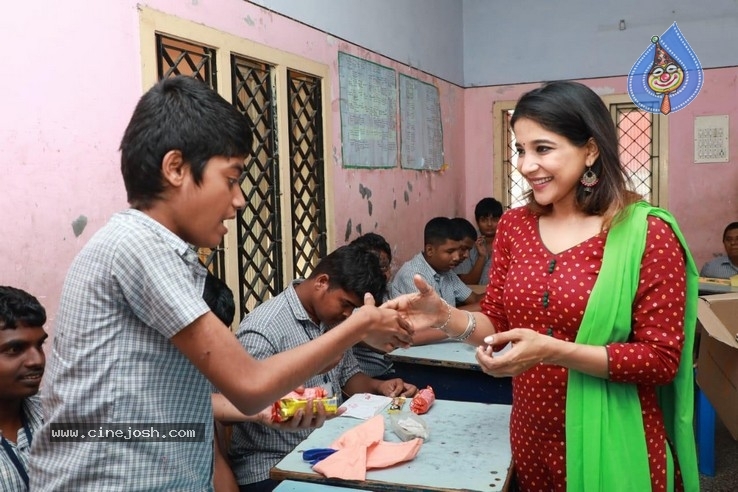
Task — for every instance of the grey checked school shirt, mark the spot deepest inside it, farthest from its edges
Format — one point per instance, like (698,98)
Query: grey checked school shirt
(720,267)
(131,288)
(10,479)
(275,326)
(448,285)
(467,265)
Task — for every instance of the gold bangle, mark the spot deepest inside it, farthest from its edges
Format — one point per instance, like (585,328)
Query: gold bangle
(444,326)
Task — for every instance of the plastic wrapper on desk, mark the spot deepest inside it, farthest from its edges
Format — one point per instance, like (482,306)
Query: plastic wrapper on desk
(285,408)
(423,401)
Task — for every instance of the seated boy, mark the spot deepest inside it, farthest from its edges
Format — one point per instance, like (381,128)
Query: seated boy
(475,270)
(22,362)
(372,361)
(435,264)
(134,340)
(724,266)
(302,312)
(469,239)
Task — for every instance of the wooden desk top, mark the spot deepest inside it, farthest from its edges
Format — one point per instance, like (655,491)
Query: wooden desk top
(468,449)
(446,353)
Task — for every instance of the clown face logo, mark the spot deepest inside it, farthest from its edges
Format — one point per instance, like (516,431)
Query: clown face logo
(665,79)
(667,76)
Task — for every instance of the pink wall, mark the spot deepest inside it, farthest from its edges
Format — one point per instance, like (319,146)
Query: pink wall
(71,82)
(703,197)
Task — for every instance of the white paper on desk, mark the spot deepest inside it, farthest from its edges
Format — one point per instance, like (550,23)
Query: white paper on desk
(365,405)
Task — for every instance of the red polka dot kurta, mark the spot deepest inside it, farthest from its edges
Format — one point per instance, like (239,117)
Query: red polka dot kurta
(534,288)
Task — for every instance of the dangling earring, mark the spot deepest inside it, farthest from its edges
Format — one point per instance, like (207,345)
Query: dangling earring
(589,179)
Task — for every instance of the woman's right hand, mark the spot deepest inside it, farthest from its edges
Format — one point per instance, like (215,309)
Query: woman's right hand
(422,309)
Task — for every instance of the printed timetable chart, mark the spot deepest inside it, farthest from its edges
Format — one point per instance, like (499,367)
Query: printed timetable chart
(421,131)
(368,113)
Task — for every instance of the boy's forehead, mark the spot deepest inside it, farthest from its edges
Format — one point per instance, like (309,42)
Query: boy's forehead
(21,333)
(449,244)
(350,297)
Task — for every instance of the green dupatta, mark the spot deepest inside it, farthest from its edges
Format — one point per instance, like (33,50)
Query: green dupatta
(605,439)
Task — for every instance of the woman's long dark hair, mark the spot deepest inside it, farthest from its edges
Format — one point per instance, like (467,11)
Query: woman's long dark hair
(574,111)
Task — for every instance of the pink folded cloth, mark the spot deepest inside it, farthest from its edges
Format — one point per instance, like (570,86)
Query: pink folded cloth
(362,448)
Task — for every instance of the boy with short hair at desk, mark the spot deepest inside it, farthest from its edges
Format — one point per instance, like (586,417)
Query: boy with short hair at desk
(475,269)
(469,239)
(304,311)
(435,264)
(22,362)
(134,340)
(372,361)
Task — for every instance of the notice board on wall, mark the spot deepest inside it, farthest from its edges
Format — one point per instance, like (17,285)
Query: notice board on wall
(421,131)
(368,97)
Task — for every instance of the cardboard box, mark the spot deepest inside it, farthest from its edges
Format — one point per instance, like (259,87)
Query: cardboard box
(717,363)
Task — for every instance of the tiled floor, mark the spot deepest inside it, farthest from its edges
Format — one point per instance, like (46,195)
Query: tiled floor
(726,463)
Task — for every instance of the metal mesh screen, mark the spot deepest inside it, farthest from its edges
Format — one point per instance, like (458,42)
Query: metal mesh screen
(516,185)
(306,171)
(638,154)
(258,230)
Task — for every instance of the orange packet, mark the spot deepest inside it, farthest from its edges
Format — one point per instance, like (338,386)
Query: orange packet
(422,401)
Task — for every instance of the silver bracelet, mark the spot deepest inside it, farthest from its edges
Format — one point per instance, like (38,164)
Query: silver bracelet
(444,326)
(471,325)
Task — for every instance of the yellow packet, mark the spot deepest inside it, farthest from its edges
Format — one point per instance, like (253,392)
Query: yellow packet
(396,405)
(286,408)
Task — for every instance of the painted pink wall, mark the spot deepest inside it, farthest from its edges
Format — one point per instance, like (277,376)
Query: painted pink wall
(71,82)
(703,197)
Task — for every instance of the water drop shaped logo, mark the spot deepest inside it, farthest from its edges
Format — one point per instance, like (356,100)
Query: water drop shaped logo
(667,76)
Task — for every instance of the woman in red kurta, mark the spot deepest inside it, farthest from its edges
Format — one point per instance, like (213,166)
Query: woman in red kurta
(524,271)
(547,259)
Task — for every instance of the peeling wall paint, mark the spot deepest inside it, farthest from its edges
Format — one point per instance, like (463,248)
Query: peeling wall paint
(78,225)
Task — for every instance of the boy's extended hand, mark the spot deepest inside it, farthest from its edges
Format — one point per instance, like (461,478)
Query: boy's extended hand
(388,330)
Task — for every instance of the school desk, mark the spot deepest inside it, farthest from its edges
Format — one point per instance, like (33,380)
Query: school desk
(450,368)
(468,449)
(293,486)
(715,286)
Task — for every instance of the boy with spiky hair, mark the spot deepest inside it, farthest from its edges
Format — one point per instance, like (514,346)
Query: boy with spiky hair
(135,344)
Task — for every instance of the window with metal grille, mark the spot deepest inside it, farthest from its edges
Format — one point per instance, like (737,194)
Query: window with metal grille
(277,238)
(260,269)
(641,139)
(306,172)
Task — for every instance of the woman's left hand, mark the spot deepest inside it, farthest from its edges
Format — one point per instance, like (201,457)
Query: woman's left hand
(528,349)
